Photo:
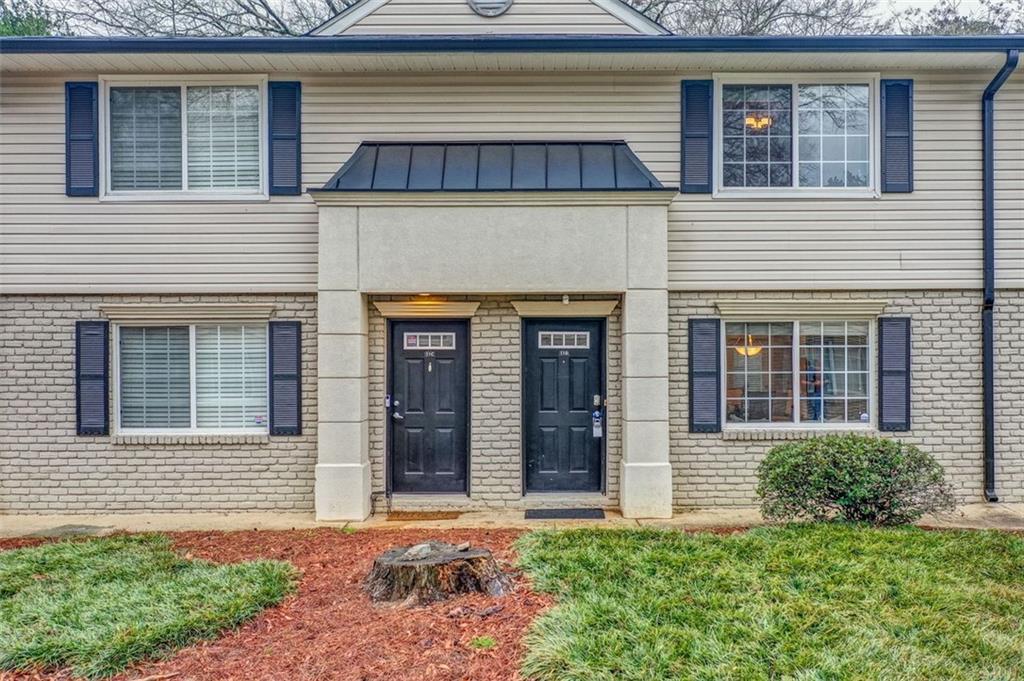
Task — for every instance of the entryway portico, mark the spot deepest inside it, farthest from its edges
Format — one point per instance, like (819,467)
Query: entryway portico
(569,231)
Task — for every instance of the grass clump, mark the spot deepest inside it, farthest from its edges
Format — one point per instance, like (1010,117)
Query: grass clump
(97,606)
(829,602)
(483,642)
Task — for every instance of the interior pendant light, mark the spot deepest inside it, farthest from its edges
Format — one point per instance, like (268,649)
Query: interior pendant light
(749,350)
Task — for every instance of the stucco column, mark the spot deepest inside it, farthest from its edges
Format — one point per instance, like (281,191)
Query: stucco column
(646,487)
(343,462)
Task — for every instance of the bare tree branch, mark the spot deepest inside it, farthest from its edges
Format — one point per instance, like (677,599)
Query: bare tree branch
(947,18)
(764,17)
(685,17)
(199,17)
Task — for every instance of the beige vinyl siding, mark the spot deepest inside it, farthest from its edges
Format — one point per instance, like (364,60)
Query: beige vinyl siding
(1009,164)
(929,239)
(455,16)
(54,243)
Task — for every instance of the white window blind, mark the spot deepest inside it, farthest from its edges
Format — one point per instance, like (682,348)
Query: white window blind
(145,138)
(231,376)
(154,373)
(223,137)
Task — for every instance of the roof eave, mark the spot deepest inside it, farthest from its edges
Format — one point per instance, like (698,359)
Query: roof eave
(509,43)
(517,197)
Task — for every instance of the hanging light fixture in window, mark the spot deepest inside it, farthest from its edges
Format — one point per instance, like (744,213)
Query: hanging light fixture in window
(750,349)
(757,122)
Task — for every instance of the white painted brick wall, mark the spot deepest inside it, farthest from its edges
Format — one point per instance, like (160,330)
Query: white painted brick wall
(720,470)
(1009,342)
(46,468)
(495,428)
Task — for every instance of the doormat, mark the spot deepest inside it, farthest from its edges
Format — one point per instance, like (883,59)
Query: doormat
(406,516)
(565,514)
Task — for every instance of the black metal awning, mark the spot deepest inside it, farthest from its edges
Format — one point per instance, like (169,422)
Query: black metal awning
(493,167)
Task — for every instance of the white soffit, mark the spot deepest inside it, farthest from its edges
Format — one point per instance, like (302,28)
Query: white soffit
(774,310)
(427,307)
(689,63)
(555,308)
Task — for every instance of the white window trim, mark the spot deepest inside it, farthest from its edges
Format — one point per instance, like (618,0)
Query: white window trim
(116,377)
(872,191)
(109,81)
(797,424)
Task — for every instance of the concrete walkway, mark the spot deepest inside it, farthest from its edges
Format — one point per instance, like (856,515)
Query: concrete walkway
(972,516)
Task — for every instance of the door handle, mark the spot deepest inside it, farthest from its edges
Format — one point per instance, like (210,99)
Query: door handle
(396,416)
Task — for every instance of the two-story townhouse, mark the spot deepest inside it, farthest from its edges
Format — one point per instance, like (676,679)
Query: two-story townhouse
(511,254)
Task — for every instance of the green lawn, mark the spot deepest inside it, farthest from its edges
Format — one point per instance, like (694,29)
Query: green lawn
(801,602)
(96,606)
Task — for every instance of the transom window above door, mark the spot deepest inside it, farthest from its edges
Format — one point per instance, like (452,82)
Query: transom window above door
(429,341)
(167,138)
(796,136)
(563,340)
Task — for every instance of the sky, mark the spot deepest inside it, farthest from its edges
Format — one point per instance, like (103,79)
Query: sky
(900,5)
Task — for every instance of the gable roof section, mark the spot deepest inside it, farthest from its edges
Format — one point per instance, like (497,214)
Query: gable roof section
(445,17)
(493,167)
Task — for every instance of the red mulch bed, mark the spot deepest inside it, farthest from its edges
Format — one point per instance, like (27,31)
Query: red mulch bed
(329,629)
(21,543)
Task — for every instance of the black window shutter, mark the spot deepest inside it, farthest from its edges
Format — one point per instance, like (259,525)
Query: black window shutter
(705,379)
(285,378)
(285,138)
(697,142)
(92,378)
(897,136)
(894,374)
(81,147)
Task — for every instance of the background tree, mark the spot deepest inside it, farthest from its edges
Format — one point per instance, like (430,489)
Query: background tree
(685,17)
(201,17)
(948,18)
(765,17)
(30,17)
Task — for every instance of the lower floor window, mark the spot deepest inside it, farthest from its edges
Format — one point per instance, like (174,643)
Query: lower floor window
(196,377)
(797,372)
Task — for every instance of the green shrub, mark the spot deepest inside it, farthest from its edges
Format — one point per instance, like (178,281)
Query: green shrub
(851,477)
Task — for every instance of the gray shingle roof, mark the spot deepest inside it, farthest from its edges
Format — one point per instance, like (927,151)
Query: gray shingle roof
(493,166)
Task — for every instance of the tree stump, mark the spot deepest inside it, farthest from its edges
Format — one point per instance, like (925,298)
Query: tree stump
(434,571)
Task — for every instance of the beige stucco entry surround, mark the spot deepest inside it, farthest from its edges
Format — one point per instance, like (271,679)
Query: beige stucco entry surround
(487,243)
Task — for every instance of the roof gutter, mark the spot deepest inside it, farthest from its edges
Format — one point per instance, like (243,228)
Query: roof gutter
(989,267)
(507,43)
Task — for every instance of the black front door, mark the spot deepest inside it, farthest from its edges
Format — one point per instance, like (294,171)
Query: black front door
(563,404)
(429,406)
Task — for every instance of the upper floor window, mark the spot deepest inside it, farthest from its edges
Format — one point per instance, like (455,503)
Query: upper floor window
(189,138)
(801,136)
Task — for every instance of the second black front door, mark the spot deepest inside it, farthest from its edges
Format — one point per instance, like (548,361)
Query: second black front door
(429,406)
(563,404)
